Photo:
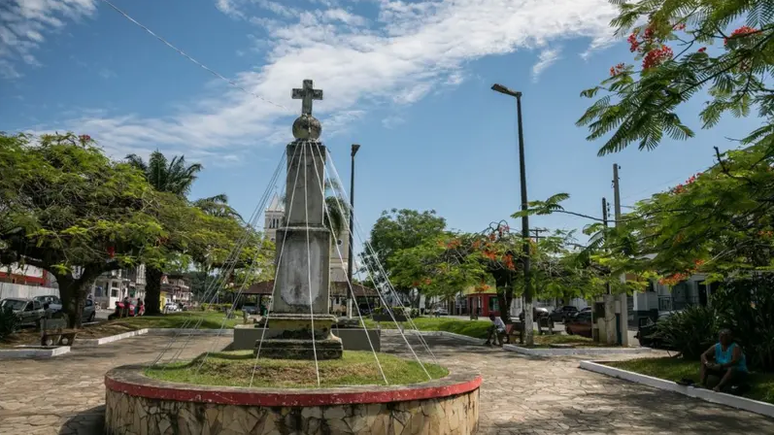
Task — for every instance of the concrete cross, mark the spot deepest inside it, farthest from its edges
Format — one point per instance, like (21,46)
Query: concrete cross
(307,94)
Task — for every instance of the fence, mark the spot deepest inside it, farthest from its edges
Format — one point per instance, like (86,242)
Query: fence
(8,290)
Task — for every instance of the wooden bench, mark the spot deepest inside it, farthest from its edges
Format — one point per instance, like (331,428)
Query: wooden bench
(53,333)
(514,329)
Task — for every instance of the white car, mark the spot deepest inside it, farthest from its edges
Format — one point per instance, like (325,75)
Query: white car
(170,307)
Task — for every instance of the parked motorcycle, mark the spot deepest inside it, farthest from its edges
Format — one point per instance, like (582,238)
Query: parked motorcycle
(123,309)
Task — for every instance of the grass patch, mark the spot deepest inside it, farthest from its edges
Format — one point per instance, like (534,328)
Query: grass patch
(675,369)
(235,368)
(471,328)
(210,320)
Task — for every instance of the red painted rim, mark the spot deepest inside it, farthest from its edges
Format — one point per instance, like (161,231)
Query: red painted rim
(292,398)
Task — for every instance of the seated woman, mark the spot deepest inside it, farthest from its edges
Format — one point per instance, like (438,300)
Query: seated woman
(724,360)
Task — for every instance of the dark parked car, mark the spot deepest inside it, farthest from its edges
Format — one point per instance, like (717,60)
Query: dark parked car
(579,325)
(250,309)
(561,314)
(28,311)
(646,332)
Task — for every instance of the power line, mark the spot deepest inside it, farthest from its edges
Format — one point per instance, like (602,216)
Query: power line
(184,54)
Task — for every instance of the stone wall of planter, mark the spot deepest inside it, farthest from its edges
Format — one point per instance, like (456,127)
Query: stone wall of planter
(151,407)
(138,415)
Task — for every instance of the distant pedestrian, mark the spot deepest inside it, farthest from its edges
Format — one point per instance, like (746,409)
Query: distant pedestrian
(497,330)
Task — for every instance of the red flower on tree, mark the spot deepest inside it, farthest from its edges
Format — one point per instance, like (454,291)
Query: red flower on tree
(84,138)
(742,31)
(657,56)
(618,69)
(702,50)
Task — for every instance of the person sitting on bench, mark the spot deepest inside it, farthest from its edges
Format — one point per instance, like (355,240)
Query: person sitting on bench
(497,330)
(724,360)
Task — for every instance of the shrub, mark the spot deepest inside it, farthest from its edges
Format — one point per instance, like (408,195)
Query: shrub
(746,307)
(9,322)
(690,332)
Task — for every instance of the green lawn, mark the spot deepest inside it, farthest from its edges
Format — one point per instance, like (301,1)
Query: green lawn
(187,319)
(675,369)
(235,368)
(210,320)
(471,328)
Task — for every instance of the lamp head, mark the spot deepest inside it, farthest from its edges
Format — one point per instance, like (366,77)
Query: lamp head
(355,147)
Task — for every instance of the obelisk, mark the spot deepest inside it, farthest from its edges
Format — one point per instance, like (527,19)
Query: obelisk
(301,290)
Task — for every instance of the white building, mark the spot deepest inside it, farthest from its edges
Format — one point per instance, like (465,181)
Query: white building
(115,285)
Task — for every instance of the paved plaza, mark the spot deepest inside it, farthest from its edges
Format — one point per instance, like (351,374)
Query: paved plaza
(520,395)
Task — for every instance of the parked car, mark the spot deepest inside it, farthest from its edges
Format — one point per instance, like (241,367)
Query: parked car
(54,303)
(89,311)
(561,314)
(646,332)
(441,311)
(28,311)
(170,307)
(537,312)
(579,324)
(250,308)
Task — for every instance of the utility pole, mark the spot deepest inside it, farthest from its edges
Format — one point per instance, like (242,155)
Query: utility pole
(623,319)
(604,222)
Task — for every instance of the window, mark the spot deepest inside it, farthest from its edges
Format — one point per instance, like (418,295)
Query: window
(114,292)
(494,304)
(36,305)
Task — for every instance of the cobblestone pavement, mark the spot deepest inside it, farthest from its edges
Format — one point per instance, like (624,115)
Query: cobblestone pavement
(520,395)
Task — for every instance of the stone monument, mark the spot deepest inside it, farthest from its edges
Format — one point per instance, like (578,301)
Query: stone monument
(301,290)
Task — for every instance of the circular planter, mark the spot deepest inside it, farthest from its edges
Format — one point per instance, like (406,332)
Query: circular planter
(137,404)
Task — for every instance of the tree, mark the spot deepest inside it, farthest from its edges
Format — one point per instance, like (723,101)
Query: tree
(175,177)
(68,209)
(640,104)
(394,231)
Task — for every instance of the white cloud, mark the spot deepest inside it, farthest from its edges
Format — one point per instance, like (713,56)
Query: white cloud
(106,73)
(392,121)
(546,58)
(405,52)
(24,23)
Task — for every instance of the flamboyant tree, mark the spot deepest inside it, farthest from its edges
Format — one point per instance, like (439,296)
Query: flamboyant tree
(68,209)
(725,49)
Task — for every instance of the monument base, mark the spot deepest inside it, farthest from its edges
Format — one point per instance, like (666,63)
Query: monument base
(329,348)
(298,340)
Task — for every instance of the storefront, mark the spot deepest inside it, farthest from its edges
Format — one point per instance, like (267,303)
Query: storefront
(484,304)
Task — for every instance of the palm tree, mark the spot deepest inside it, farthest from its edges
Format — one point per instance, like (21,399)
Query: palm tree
(173,177)
(177,178)
(217,206)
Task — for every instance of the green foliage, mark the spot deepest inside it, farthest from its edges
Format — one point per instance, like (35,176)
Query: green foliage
(746,307)
(9,322)
(640,105)
(397,231)
(691,331)
(676,369)
(64,204)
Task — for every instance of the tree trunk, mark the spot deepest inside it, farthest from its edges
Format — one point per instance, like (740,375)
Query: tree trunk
(73,293)
(153,290)
(504,287)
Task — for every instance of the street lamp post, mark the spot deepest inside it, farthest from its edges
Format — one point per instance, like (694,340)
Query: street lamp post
(350,259)
(524,206)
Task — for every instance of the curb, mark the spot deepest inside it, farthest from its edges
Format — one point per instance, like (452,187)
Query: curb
(33,352)
(576,350)
(94,342)
(737,402)
(437,334)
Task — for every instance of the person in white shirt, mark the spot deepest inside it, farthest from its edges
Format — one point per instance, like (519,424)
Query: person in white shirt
(496,330)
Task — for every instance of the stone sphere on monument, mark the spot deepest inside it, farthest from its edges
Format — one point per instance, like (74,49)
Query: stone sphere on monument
(307,127)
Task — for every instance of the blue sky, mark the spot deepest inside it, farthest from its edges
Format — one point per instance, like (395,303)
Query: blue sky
(409,81)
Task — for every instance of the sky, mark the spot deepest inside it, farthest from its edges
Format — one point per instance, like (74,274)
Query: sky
(407,80)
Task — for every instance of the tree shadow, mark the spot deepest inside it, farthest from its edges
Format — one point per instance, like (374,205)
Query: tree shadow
(89,422)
